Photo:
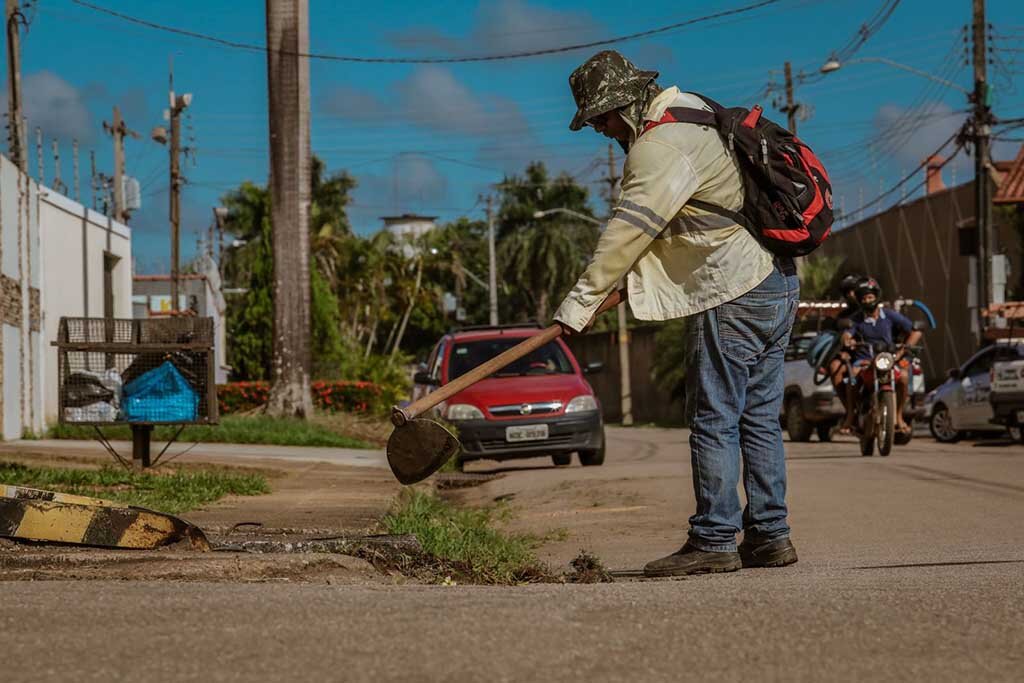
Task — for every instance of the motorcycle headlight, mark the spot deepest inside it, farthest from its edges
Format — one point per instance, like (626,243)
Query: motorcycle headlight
(581,404)
(884,361)
(464,411)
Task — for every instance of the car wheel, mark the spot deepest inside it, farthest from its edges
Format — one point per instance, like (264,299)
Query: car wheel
(941,426)
(798,428)
(562,459)
(1016,433)
(824,431)
(592,458)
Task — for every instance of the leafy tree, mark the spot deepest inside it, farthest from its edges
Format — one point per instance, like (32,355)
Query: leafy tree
(540,259)
(819,276)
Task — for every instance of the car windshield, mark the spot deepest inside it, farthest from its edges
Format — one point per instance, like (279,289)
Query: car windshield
(547,360)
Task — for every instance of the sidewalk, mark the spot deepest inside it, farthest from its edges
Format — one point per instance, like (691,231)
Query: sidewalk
(352,457)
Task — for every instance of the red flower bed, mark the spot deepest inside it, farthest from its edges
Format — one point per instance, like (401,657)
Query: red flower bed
(329,395)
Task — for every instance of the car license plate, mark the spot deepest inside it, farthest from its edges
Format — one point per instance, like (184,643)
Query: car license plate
(1020,417)
(526,433)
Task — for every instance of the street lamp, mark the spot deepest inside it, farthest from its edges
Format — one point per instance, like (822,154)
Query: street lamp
(833,64)
(576,214)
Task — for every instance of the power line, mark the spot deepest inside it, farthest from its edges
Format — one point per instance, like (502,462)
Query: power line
(910,175)
(252,47)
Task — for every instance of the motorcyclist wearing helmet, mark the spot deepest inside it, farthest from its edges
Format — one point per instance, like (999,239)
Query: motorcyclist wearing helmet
(879,328)
(848,290)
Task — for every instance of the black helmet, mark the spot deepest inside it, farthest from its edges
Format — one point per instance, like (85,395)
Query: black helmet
(868,286)
(849,282)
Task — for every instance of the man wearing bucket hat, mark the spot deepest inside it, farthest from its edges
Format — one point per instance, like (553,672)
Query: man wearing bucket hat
(740,300)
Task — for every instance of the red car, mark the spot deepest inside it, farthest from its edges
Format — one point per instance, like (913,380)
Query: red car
(539,405)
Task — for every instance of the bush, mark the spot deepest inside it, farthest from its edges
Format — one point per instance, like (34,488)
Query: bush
(328,395)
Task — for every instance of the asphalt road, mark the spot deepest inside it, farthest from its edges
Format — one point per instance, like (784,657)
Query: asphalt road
(912,568)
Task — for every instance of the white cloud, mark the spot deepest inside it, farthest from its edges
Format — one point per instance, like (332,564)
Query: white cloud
(505,26)
(54,105)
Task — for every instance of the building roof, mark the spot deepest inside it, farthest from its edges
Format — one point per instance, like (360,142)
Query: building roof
(1011,187)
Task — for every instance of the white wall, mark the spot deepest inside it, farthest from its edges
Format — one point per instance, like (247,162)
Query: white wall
(74,240)
(51,259)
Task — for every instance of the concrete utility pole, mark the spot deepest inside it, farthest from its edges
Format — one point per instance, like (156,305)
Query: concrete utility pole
(74,169)
(15,121)
(118,129)
(39,155)
(626,391)
(492,278)
(288,95)
(981,128)
(58,184)
(92,177)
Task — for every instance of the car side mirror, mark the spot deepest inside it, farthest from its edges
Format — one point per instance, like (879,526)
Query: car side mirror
(954,373)
(591,368)
(424,378)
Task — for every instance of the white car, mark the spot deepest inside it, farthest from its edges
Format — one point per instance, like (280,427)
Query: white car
(807,408)
(962,403)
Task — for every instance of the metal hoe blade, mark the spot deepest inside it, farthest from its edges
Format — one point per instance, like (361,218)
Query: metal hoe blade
(419,448)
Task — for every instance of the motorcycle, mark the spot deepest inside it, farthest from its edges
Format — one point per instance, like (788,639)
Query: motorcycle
(875,400)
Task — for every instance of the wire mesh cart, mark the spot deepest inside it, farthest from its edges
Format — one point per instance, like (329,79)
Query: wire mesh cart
(141,373)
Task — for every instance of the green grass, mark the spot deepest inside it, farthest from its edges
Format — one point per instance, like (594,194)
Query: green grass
(466,539)
(174,492)
(232,429)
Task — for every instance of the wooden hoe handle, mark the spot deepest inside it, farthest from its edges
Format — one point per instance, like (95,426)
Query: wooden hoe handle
(399,416)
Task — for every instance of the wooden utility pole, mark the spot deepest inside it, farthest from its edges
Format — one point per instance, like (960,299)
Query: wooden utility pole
(118,129)
(15,121)
(288,95)
(492,275)
(981,128)
(791,107)
(626,391)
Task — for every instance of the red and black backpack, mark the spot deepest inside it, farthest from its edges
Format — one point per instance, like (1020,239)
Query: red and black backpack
(787,194)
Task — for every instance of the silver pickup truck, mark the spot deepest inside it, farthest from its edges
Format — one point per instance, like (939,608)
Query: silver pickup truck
(809,408)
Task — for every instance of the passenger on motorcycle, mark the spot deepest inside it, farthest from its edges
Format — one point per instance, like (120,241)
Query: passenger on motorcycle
(837,367)
(877,328)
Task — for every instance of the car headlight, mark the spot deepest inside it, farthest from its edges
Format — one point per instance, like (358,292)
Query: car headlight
(581,404)
(464,411)
(884,361)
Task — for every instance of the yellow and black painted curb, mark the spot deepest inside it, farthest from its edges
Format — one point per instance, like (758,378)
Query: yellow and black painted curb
(37,515)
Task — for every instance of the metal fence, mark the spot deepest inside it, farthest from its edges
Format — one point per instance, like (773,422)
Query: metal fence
(144,372)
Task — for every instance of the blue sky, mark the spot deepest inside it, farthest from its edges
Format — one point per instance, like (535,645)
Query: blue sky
(432,138)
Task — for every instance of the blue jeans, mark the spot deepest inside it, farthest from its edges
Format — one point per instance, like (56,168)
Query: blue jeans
(734,384)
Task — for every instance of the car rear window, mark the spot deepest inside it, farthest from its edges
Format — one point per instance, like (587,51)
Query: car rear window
(549,359)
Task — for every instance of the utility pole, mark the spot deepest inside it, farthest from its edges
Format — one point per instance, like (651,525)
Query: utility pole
(981,128)
(492,278)
(288,100)
(74,169)
(626,391)
(39,155)
(791,107)
(92,177)
(178,104)
(117,131)
(16,127)
(58,184)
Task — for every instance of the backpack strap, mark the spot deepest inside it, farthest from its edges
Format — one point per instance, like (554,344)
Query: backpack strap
(734,216)
(700,117)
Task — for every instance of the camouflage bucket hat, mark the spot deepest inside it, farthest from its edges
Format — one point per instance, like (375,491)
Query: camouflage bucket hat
(605,82)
